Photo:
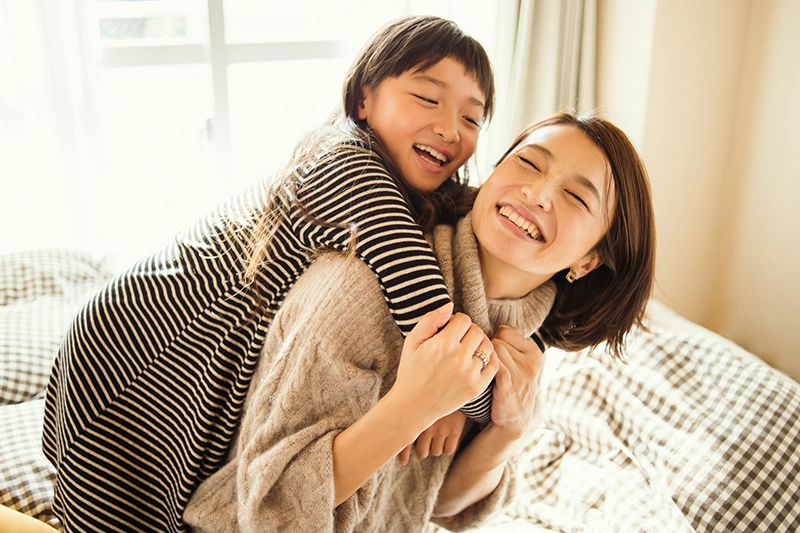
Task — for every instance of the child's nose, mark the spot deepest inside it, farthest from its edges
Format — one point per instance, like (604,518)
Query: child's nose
(447,127)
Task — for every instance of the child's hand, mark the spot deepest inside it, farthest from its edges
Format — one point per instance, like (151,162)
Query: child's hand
(442,437)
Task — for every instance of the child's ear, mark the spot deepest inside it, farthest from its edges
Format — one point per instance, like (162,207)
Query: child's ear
(363,103)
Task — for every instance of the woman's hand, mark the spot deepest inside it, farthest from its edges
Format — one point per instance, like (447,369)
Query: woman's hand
(437,375)
(438,372)
(479,467)
(516,382)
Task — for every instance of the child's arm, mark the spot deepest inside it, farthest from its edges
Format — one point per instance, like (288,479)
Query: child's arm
(354,189)
(442,437)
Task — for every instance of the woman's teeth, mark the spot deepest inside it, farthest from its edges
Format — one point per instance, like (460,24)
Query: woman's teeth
(442,159)
(521,223)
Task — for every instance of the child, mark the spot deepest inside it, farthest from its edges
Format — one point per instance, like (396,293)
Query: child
(161,359)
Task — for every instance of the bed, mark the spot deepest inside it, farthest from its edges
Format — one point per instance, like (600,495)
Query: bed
(692,433)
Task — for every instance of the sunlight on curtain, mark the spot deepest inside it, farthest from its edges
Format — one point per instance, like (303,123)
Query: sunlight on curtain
(549,64)
(41,92)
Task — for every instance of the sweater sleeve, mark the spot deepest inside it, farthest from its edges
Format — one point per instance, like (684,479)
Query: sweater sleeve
(353,189)
(308,388)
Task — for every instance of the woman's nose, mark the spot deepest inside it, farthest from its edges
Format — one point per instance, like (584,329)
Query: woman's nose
(538,192)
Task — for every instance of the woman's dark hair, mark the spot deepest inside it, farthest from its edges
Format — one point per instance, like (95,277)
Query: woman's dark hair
(607,302)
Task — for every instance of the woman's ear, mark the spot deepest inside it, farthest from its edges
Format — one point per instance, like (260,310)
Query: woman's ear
(587,264)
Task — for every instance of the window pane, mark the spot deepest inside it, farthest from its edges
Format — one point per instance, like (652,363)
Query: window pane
(156,172)
(143,28)
(150,22)
(273,104)
(252,21)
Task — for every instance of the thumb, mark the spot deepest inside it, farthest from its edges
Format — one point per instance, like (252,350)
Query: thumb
(429,325)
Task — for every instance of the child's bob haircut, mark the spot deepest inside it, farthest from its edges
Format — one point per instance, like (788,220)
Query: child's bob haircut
(416,43)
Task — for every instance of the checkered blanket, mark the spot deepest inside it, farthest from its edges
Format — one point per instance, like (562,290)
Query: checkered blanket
(692,434)
(40,292)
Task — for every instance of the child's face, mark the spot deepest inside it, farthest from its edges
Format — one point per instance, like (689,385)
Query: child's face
(542,210)
(428,121)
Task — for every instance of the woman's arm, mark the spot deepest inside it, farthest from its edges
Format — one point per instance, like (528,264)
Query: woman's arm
(329,405)
(478,468)
(437,373)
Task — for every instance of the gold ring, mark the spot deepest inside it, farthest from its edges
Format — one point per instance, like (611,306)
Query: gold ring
(484,358)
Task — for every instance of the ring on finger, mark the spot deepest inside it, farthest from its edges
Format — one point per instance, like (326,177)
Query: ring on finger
(483,356)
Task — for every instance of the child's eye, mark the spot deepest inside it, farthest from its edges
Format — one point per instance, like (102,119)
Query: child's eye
(473,121)
(426,100)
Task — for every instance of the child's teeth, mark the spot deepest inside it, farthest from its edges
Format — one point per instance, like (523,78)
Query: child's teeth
(441,157)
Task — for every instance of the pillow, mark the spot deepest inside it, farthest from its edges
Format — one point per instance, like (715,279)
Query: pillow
(40,293)
(27,275)
(26,476)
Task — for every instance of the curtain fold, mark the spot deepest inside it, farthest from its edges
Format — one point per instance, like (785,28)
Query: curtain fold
(552,64)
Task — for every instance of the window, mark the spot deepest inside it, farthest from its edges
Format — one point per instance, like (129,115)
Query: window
(152,112)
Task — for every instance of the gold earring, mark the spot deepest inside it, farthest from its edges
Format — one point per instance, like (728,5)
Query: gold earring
(571,275)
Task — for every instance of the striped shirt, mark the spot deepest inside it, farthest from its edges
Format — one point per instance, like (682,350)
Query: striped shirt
(149,383)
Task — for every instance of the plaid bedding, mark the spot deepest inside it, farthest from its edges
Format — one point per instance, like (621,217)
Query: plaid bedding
(691,434)
(687,436)
(40,292)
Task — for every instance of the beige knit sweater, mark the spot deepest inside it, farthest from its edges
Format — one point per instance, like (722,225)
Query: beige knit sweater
(331,353)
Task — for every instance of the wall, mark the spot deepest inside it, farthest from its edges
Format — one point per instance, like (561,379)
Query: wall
(758,301)
(707,91)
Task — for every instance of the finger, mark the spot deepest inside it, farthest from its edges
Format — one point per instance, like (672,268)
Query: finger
(484,353)
(514,338)
(405,454)
(451,445)
(423,445)
(429,325)
(437,446)
(504,361)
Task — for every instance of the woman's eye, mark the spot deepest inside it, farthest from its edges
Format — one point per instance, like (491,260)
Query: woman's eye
(529,163)
(578,198)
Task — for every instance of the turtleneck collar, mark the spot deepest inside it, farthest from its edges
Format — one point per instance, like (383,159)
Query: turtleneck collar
(456,248)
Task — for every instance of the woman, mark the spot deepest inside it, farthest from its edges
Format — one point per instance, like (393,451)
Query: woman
(337,394)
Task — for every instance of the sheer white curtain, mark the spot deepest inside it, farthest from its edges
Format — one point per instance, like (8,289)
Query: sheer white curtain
(44,115)
(545,63)
(104,139)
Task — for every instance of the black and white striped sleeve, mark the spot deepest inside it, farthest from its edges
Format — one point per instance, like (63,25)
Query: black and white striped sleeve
(356,190)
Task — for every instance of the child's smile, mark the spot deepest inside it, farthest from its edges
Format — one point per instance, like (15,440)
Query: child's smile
(428,120)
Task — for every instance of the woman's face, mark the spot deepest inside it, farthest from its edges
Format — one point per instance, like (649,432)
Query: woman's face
(542,210)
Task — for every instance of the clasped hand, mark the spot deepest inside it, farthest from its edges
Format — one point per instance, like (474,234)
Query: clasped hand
(437,372)
(438,366)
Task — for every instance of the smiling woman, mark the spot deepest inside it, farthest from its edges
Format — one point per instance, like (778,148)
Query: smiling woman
(541,207)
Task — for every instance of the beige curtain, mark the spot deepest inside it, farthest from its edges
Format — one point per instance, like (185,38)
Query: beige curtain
(545,63)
